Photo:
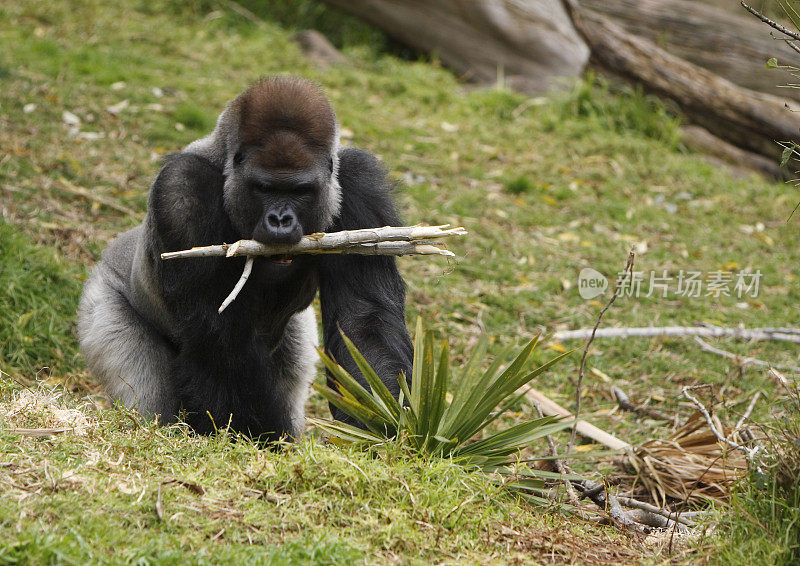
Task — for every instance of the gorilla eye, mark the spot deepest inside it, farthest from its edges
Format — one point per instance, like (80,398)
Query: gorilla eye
(238,157)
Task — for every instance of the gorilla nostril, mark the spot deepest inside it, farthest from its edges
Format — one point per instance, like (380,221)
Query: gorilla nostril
(278,226)
(273,220)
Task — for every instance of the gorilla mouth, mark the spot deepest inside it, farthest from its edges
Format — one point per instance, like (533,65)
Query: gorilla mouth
(281,259)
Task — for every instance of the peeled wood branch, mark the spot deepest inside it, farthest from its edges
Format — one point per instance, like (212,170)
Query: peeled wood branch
(777,334)
(248,267)
(389,240)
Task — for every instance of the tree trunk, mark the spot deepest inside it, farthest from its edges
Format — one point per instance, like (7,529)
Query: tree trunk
(670,48)
(751,120)
(724,39)
(531,43)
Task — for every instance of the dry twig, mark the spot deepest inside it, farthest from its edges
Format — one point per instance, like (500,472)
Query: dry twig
(742,360)
(748,452)
(773,24)
(625,404)
(628,270)
(558,464)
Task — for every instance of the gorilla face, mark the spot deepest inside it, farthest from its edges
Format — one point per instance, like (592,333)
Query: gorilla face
(280,162)
(276,206)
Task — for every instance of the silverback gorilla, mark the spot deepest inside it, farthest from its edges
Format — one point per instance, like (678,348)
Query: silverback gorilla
(272,170)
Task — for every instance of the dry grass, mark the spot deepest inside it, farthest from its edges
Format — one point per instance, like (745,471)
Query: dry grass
(690,466)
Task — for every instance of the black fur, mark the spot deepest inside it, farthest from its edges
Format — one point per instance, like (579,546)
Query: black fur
(364,296)
(226,366)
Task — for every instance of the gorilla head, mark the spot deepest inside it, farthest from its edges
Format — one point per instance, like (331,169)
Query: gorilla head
(281,161)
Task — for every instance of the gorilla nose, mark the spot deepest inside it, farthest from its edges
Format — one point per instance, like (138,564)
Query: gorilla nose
(279,227)
(281,221)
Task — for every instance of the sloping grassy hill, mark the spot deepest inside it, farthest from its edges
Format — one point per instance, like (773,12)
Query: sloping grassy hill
(94,95)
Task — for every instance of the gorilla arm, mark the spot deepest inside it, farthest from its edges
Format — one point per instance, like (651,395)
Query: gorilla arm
(364,296)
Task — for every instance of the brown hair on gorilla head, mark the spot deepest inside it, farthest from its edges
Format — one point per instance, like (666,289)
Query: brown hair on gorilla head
(288,119)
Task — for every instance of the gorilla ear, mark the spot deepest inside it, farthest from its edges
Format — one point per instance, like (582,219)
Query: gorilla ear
(238,157)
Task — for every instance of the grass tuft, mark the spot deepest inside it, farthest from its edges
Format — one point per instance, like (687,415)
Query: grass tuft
(762,525)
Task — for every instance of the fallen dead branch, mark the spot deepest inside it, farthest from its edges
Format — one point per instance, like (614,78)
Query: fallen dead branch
(742,360)
(388,240)
(645,514)
(578,393)
(624,403)
(676,516)
(588,430)
(598,494)
(748,452)
(754,334)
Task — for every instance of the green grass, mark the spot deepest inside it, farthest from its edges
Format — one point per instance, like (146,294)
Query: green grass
(40,293)
(762,525)
(93,498)
(545,187)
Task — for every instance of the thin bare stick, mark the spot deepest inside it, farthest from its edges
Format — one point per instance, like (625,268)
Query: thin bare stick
(346,241)
(248,267)
(743,360)
(625,404)
(789,387)
(748,452)
(558,464)
(754,334)
(578,397)
(773,24)
(244,12)
(792,44)
(747,412)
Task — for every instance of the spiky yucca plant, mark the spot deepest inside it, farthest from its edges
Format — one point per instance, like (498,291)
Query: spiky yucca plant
(430,421)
